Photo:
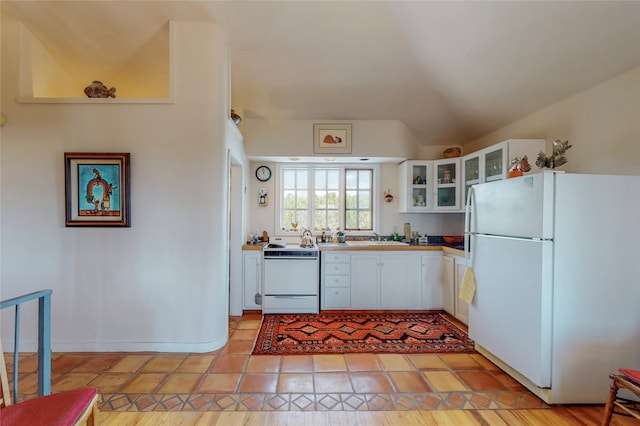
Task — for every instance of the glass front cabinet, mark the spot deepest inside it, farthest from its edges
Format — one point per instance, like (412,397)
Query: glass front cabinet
(492,163)
(428,186)
(447,194)
(416,186)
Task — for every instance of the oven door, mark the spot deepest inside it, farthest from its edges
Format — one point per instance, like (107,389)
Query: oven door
(291,276)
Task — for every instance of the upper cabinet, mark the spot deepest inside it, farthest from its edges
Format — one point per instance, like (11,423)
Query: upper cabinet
(492,163)
(443,185)
(429,186)
(447,193)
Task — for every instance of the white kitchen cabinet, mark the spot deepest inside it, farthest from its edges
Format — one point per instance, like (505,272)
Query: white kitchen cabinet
(251,278)
(335,281)
(448,284)
(431,281)
(492,163)
(416,183)
(365,282)
(430,186)
(446,196)
(453,269)
(400,281)
(385,280)
(461,307)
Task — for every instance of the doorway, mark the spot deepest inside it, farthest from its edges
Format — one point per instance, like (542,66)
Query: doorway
(235,237)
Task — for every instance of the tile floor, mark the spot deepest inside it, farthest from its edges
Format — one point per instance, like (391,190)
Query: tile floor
(232,379)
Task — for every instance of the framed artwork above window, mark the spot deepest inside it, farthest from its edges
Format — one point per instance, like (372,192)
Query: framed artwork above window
(332,138)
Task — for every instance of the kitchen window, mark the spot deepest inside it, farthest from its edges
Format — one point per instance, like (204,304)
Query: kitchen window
(320,198)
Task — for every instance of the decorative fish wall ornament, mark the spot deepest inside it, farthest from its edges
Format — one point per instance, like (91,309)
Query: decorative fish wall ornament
(98,90)
(557,157)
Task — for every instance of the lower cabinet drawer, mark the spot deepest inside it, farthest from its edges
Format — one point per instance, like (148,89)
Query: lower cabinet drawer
(336,280)
(336,297)
(336,268)
(290,305)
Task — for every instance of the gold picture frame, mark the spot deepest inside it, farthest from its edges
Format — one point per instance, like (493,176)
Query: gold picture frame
(331,138)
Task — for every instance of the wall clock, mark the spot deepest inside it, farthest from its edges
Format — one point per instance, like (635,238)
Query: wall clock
(263,173)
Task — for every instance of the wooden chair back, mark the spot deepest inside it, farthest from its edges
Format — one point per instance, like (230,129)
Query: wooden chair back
(5,392)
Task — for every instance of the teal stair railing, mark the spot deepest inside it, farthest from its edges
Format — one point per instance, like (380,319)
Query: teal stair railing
(44,339)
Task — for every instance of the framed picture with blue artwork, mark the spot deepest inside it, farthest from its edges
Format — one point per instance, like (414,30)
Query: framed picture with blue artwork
(97,189)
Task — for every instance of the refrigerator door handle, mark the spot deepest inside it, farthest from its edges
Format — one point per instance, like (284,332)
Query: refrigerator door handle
(467,226)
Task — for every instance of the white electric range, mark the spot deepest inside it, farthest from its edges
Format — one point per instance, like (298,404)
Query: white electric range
(291,279)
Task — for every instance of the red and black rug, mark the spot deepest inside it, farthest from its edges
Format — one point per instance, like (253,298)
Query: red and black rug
(339,333)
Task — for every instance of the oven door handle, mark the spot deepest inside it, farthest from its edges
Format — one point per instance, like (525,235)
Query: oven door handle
(293,297)
(291,258)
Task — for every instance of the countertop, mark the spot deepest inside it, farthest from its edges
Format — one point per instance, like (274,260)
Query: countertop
(457,249)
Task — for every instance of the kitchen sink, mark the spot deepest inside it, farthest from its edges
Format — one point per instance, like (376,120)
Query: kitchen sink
(376,243)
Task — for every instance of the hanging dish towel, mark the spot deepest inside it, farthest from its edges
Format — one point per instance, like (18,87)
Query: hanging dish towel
(468,288)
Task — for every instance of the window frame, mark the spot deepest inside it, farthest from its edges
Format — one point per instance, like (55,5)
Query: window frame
(311,167)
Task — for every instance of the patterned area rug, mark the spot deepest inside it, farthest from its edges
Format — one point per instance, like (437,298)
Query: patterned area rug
(339,333)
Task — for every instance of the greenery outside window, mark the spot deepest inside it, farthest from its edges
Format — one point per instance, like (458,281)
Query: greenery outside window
(321,198)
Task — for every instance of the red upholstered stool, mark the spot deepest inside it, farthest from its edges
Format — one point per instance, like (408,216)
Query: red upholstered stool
(630,380)
(60,409)
(73,407)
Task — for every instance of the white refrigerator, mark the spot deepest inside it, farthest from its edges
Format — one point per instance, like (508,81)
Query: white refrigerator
(557,272)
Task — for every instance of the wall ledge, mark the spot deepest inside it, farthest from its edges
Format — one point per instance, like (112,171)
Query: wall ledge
(100,101)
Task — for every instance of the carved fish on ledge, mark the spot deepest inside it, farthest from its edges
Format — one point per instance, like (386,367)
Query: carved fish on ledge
(98,90)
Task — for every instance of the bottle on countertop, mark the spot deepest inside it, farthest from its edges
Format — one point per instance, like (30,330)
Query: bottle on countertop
(407,231)
(324,237)
(395,234)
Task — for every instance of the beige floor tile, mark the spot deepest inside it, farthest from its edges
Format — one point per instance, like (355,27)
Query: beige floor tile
(220,383)
(461,362)
(332,382)
(258,382)
(238,347)
(145,383)
(362,362)
(249,325)
(98,364)
(111,382)
(263,364)
(130,363)
(296,364)
(444,381)
(181,383)
(229,364)
(408,381)
(324,363)
(484,362)
(427,362)
(371,382)
(481,381)
(295,383)
(163,364)
(394,362)
(242,334)
(196,364)
(72,381)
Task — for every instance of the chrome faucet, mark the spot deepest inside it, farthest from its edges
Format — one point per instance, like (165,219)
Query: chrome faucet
(377,236)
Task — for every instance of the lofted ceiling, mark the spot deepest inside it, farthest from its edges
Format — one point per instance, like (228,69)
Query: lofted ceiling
(452,71)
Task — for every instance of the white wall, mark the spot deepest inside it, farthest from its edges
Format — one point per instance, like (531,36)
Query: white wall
(161,284)
(369,138)
(602,124)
